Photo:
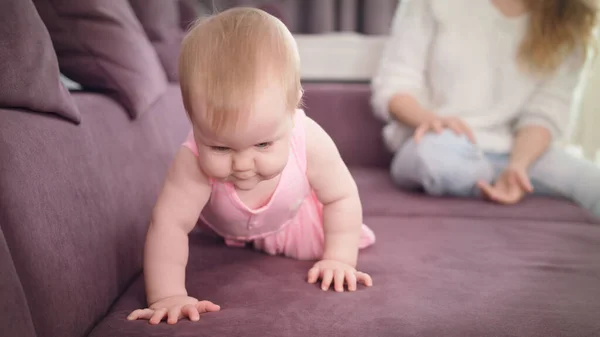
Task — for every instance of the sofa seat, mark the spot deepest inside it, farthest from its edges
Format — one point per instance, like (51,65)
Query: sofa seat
(380,197)
(448,267)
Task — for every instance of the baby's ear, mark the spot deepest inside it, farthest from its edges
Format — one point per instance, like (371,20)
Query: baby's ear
(300,103)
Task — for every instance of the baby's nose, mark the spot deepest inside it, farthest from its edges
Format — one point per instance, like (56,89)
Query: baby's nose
(243,163)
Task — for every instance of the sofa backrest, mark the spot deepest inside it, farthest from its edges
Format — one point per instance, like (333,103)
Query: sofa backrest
(344,111)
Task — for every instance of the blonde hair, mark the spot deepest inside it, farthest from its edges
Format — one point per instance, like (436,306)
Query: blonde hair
(226,60)
(557,29)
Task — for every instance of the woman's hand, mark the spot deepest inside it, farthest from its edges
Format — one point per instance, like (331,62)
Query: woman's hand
(339,273)
(512,185)
(173,309)
(438,124)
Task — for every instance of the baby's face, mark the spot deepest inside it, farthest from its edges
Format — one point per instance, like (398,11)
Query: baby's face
(257,150)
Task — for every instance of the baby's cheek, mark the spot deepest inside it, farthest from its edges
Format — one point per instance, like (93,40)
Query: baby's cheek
(273,163)
(215,166)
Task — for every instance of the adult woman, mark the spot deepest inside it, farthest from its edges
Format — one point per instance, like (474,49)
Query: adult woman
(488,86)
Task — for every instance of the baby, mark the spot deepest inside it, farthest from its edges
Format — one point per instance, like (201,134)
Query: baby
(254,168)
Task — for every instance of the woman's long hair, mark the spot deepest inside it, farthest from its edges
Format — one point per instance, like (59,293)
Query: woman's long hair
(557,28)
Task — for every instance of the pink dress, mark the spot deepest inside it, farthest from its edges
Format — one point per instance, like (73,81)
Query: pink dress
(290,224)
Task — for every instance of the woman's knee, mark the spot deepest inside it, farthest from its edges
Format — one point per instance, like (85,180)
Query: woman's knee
(441,164)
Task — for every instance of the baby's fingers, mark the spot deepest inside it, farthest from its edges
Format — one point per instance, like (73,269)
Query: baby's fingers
(140,314)
(338,284)
(174,314)
(313,275)
(158,316)
(351,281)
(207,306)
(364,278)
(192,312)
(327,278)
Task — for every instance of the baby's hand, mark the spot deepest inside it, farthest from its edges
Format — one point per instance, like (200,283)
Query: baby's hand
(339,273)
(174,308)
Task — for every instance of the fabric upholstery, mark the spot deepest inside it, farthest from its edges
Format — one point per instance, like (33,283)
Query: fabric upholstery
(168,52)
(28,66)
(162,24)
(75,202)
(102,46)
(433,276)
(392,202)
(335,104)
(15,319)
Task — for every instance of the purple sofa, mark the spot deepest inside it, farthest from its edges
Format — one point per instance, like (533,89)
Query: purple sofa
(80,171)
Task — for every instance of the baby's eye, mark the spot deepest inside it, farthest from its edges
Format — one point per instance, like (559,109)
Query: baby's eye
(219,148)
(263,145)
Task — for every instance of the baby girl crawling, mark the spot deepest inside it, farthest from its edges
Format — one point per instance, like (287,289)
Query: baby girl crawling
(254,168)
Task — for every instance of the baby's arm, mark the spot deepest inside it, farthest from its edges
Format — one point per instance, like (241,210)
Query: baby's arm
(184,194)
(342,211)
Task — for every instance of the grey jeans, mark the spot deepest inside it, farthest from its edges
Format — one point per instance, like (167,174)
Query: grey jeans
(447,164)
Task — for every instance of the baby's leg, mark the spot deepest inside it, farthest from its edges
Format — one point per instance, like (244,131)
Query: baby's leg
(559,174)
(441,164)
(304,238)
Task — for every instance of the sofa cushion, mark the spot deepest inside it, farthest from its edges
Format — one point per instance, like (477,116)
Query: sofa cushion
(162,24)
(29,70)
(102,46)
(168,52)
(379,196)
(433,276)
